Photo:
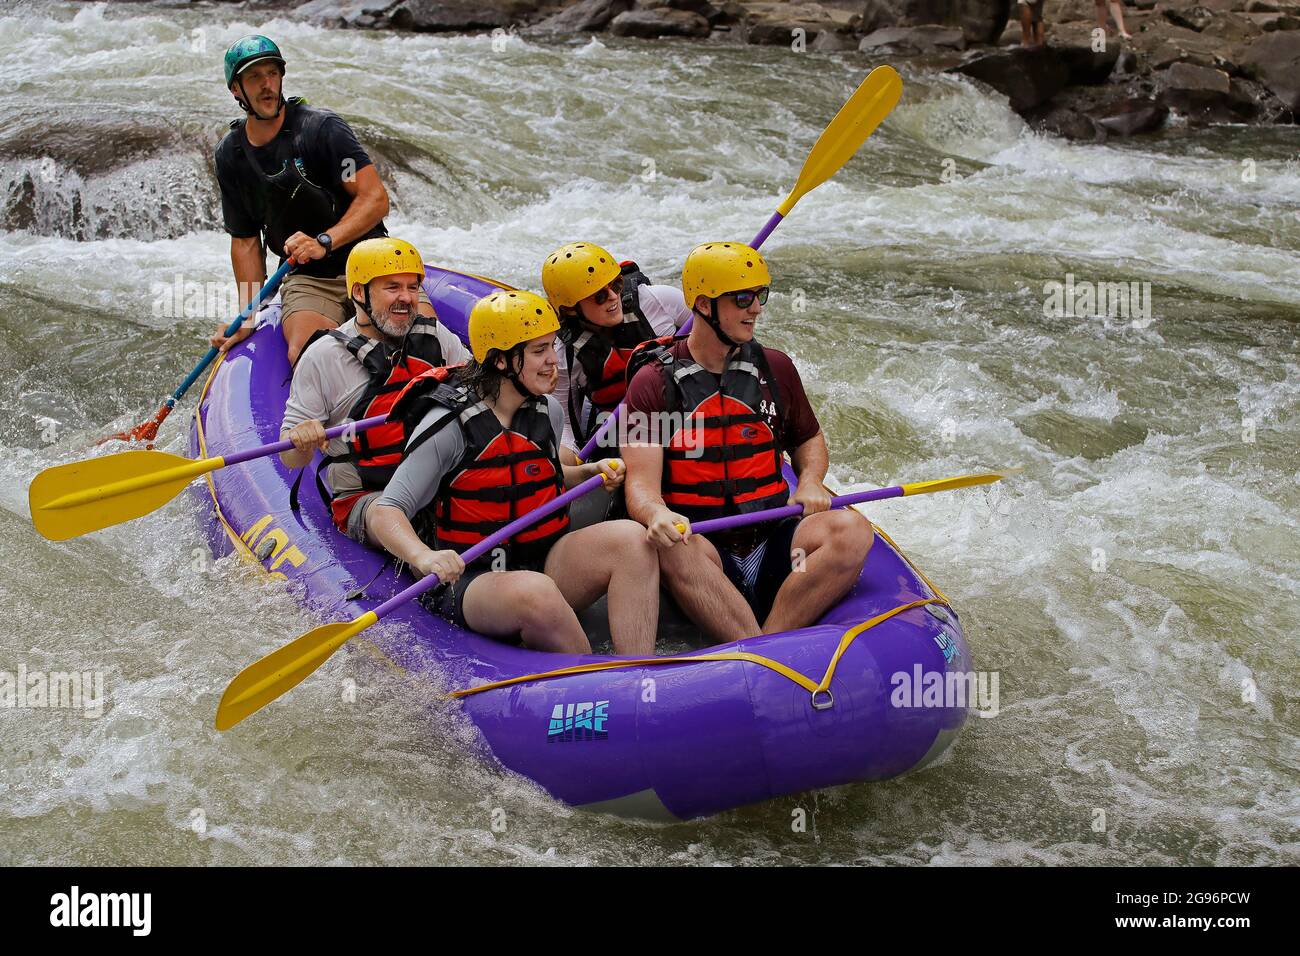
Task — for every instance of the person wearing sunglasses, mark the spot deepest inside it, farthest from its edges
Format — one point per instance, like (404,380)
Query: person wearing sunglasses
(729,409)
(606,310)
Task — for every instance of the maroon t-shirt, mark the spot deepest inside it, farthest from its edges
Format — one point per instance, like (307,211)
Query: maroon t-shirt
(646,395)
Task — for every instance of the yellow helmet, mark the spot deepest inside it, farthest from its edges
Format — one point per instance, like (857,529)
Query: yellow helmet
(501,320)
(385,256)
(573,272)
(716,268)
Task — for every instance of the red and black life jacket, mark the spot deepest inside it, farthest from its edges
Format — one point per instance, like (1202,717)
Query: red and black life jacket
(504,473)
(376,452)
(604,354)
(727,459)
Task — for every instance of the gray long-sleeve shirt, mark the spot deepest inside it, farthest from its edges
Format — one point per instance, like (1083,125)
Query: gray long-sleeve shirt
(418,476)
(327,383)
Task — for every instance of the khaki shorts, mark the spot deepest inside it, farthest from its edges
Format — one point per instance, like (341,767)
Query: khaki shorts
(329,297)
(357,518)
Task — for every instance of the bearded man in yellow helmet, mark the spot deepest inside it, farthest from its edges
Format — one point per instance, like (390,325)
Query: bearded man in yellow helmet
(732,409)
(483,450)
(356,371)
(606,310)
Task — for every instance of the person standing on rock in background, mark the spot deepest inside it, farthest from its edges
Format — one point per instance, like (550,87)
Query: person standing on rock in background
(1117,11)
(294,181)
(1031,22)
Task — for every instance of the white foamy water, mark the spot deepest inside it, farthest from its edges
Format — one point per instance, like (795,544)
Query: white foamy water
(1135,586)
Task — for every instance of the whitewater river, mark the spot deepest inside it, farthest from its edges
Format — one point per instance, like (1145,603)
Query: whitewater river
(1136,587)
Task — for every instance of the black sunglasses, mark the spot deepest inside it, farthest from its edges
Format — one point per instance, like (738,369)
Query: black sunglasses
(613,288)
(745,299)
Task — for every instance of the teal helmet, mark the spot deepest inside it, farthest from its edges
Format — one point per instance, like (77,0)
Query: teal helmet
(248,50)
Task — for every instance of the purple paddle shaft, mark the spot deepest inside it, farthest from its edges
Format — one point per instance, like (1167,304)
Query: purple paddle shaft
(608,423)
(492,540)
(767,230)
(285,445)
(771,514)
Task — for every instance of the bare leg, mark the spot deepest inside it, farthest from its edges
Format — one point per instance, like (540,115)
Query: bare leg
(1100,6)
(834,544)
(693,574)
(528,604)
(1117,11)
(612,557)
(1026,27)
(299,326)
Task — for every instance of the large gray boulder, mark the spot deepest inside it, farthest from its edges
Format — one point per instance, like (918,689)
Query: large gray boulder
(1028,77)
(1133,117)
(776,24)
(1085,67)
(910,41)
(661,22)
(981,21)
(1192,18)
(1274,60)
(347,13)
(437,16)
(586,16)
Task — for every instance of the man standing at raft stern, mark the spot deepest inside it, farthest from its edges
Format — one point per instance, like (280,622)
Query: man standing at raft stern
(484,450)
(294,181)
(356,371)
(743,406)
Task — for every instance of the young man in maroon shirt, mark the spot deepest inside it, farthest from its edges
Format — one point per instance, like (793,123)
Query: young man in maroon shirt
(738,407)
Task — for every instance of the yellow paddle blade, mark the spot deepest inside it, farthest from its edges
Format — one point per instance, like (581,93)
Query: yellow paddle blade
(961,481)
(857,119)
(280,671)
(84,496)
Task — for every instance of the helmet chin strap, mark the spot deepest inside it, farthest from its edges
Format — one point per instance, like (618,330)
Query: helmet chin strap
(513,377)
(716,324)
(247,105)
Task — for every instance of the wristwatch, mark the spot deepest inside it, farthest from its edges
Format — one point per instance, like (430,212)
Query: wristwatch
(326,240)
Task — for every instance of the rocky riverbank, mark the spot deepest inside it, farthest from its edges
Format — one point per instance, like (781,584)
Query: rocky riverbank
(1201,63)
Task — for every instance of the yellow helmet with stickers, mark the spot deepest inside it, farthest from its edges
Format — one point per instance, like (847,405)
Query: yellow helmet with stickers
(384,256)
(573,272)
(502,320)
(716,268)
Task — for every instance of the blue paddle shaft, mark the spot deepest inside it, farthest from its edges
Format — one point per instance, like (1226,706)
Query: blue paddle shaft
(268,290)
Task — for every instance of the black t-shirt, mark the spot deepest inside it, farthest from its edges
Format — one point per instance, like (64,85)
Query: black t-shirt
(330,151)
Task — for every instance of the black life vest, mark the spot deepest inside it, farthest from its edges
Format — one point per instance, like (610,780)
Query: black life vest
(289,201)
(727,459)
(504,473)
(376,452)
(604,354)
(633,280)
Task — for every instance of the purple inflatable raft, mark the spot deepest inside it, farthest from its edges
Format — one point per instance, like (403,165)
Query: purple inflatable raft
(682,736)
